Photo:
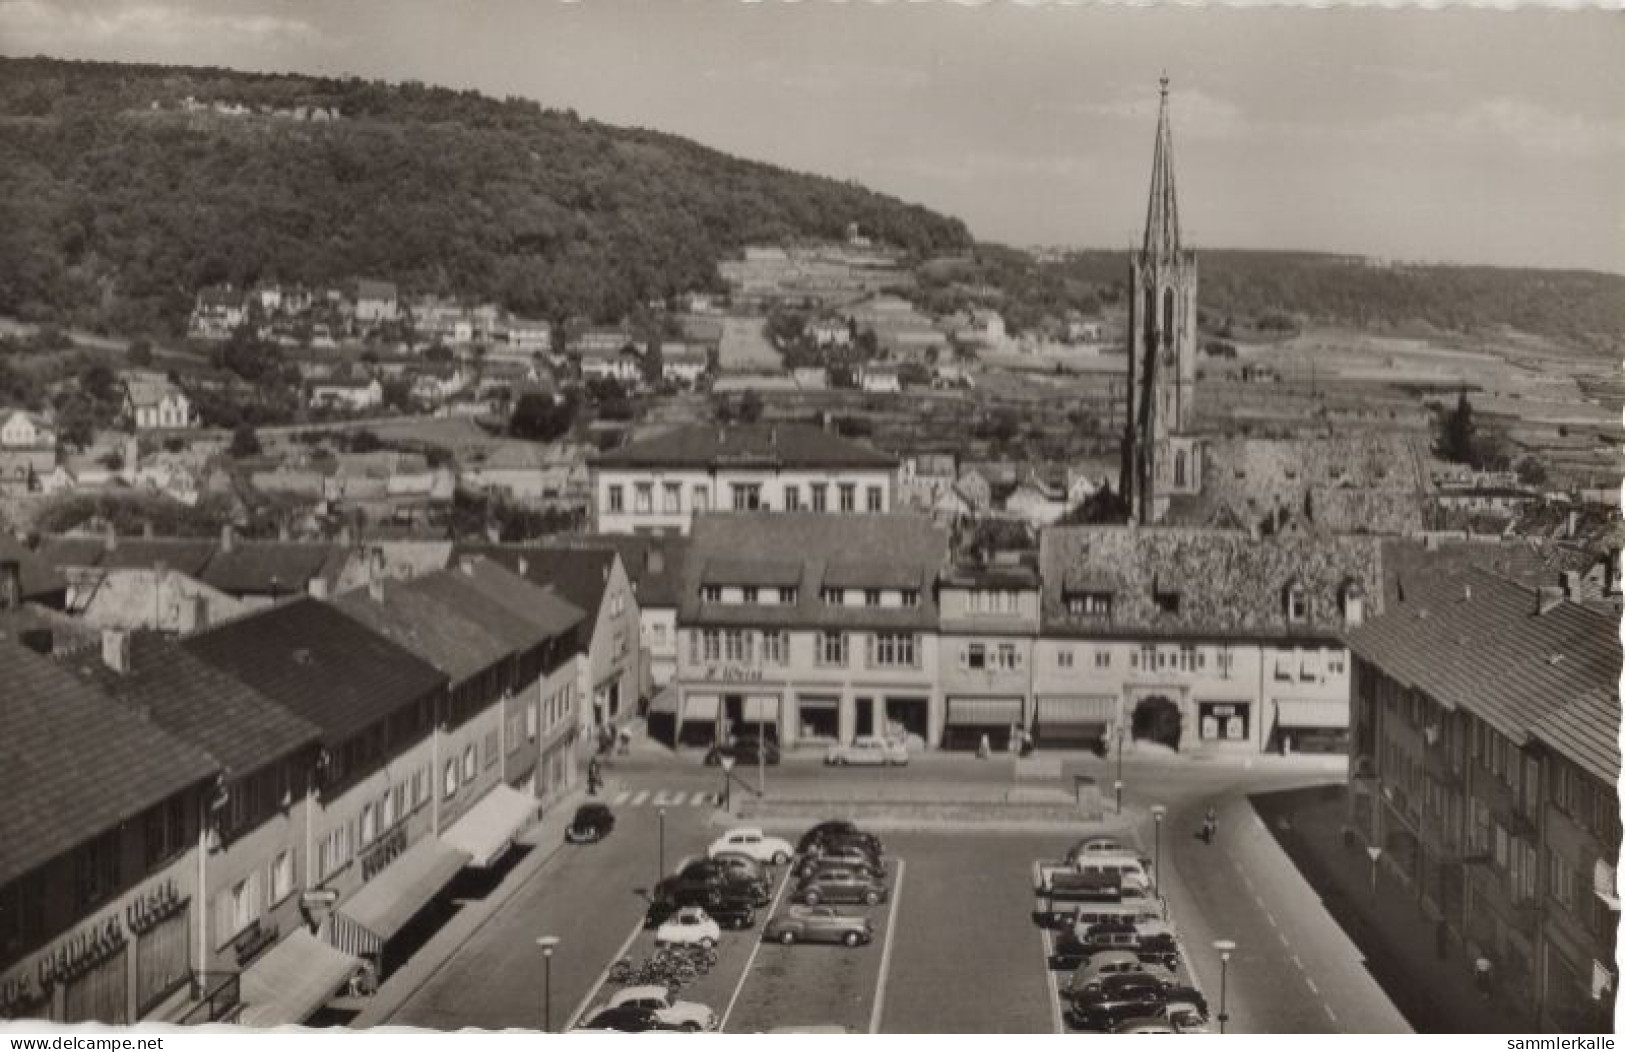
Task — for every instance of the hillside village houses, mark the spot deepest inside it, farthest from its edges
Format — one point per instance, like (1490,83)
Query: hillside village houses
(657,485)
(23,429)
(152,402)
(354,393)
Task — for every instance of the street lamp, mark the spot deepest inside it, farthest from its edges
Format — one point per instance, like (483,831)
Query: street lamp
(1225,947)
(548,943)
(727,782)
(660,874)
(1122,740)
(1157,813)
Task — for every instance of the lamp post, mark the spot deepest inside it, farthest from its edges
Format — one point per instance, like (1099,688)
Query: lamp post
(1122,740)
(660,873)
(1157,813)
(548,943)
(1225,947)
(727,764)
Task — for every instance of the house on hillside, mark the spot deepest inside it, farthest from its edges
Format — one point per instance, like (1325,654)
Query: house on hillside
(376,301)
(218,311)
(153,403)
(683,363)
(880,378)
(355,393)
(623,364)
(24,429)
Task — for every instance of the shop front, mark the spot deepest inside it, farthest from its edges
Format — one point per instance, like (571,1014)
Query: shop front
(970,719)
(1220,722)
(909,718)
(751,716)
(818,719)
(1075,721)
(1310,725)
(697,719)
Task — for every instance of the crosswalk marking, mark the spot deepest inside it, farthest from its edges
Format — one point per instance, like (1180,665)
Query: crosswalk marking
(665,798)
(622,797)
(637,801)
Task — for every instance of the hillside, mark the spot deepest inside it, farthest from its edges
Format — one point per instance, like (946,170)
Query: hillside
(118,199)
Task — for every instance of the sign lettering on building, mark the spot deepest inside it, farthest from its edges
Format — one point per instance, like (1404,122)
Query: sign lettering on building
(733,673)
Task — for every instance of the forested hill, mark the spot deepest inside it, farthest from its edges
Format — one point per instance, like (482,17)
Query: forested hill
(1582,305)
(117,201)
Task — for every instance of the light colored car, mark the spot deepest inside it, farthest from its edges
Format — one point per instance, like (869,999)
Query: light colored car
(1186,1018)
(818,924)
(689,1015)
(1144,1025)
(1115,962)
(1099,845)
(689,926)
(875,752)
(753,842)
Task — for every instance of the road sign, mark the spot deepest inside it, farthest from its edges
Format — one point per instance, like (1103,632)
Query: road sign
(1374,852)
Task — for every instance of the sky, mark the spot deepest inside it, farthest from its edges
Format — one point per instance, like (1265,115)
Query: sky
(1447,135)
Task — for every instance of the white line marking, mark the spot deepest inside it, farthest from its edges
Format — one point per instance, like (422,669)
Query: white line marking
(885,954)
(637,801)
(1271,918)
(1312,987)
(622,797)
(1046,944)
(662,798)
(603,977)
(1330,1014)
(702,800)
(773,907)
(1299,963)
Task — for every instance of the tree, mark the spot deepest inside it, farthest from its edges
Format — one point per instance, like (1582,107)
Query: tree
(542,417)
(139,356)
(1101,506)
(654,367)
(438,353)
(1532,471)
(244,442)
(1455,432)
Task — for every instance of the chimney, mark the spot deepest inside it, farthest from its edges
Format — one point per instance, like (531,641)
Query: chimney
(1353,605)
(524,566)
(116,649)
(1572,527)
(191,614)
(1571,585)
(226,537)
(1548,597)
(375,589)
(11,584)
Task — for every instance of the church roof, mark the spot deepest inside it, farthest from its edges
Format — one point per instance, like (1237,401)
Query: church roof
(1162,211)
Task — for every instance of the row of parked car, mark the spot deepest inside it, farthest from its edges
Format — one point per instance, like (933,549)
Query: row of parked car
(1113,936)
(834,862)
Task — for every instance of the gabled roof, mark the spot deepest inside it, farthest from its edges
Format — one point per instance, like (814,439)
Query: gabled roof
(749,573)
(38,576)
(435,630)
(315,661)
(1526,561)
(184,555)
(369,289)
(1586,731)
(747,445)
(503,604)
(274,567)
(240,728)
(654,563)
(877,551)
(71,551)
(579,575)
(1473,640)
(75,762)
(1229,584)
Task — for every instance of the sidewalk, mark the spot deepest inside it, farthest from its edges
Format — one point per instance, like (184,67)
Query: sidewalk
(544,838)
(1397,938)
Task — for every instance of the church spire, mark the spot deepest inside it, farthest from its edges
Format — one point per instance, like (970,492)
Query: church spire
(1162,213)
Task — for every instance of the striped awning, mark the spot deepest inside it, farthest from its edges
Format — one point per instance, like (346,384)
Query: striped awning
(1093,708)
(292,980)
(1312,714)
(983,712)
(380,909)
(701,707)
(762,709)
(488,829)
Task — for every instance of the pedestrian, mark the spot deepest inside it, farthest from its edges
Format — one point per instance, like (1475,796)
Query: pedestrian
(1481,976)
(623,742)
(983,748)
(1210,826)
(595,778)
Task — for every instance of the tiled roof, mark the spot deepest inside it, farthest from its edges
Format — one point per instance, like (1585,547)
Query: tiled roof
(368,288)
(1526,561)
(524,613)
(841,572)
(183,555)
(1469,638)
(578,574)
(315,661)
(38,576)
(896,546)
(240,728)
(758,573)
(273,567)
(424,623)
(655,564)
(74,763)
(1228,584)
(1586,731)
(71,551)
(766,445)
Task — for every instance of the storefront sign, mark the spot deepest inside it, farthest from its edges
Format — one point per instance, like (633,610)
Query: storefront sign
(390,846)
(153,907)
(81,952)
(733,673)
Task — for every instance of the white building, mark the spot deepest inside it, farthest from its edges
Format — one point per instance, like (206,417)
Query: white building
(21,429)
(659,484)
(341,393)
(152,403)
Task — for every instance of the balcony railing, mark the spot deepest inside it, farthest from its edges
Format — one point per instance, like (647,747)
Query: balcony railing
(220,1000)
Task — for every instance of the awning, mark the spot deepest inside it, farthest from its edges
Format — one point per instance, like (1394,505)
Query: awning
(294,978)
(983,712)
(665,702)
(1094,708)
(381,908)
(762,710)
(1312,715)
(701,707)
(489,827)
(818,701)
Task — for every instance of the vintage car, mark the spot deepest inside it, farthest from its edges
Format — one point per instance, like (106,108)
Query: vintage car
(818,924)
(841,884)
(592,823)
(689,926)
(684,1015)
(751,841)
(874,752)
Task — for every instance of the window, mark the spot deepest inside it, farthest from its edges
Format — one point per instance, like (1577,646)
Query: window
(710,593)
(242,905)
(1089,604)
(831,596)
(1283,667)
(394,805)
(775,648)
(788,596)
(643,498)
(702,498)
(710,644)
(871,597)
(749,595)
(747,496)
(470,764)
(1063,658)
(894,650)
(975,655)
(1103,658)
(1167,602)
(333,853)
(1297,604)
(831,648)
(96,869)
(1148,658)
(1309,666)
(671,497)
(492,747)
(736,646)
(1187,658)
(792,498)
(165,824)
(849,497)
(282,877)
(820,496)
(1560,875)
(875,499)
(369,825)
(530,721)
(1009,658)
(1336,662)
(617,499)
(1226,660)
(910,597)
(420,787)
(451,779)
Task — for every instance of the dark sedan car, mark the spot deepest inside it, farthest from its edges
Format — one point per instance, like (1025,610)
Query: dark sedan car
(850,854)
(1105,1012)
(592,822)
(841,885)
(834,831)
(747,751)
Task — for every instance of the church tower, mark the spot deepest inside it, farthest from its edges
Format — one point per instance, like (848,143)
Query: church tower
(1159,459)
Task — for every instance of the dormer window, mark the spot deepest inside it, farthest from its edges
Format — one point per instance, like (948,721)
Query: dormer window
(831,596)
(711,593)
(1167,602)
(1089,604)
(911,597)
(788,596)
(1297,604)
(1353,604)
(871,597)
(749,595)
